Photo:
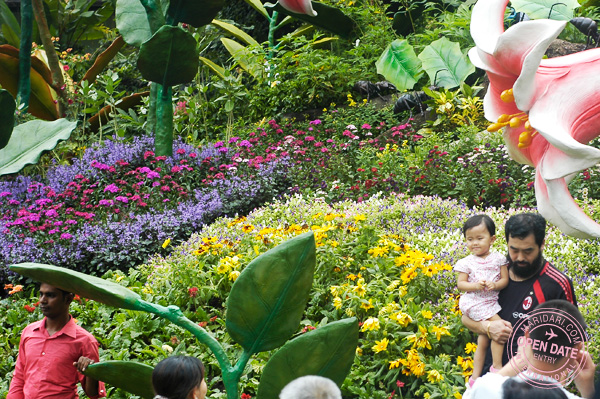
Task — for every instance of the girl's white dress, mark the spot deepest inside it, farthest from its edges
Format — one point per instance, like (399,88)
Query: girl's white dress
(480,305)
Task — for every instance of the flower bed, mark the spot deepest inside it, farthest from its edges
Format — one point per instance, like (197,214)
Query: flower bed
(116,206)
(385,260)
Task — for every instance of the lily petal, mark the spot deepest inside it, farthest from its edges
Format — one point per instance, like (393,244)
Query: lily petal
(298,6)
(557,205)
(487,23)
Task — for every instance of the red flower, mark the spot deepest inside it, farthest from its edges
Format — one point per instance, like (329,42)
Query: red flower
(202,324)
(193,291)
(28,308)
(245,396)
(213,318)
(399,383)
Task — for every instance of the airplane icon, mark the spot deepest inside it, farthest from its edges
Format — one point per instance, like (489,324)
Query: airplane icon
(551,334)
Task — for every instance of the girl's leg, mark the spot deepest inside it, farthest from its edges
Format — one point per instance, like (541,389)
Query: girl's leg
(497,349)
(479,356)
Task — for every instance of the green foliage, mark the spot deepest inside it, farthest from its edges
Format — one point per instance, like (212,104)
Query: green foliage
(10,31)
(75,21)
(29,140)
(7,117)
(454,109)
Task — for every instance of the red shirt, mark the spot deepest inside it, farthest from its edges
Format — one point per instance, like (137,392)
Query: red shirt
(44,366)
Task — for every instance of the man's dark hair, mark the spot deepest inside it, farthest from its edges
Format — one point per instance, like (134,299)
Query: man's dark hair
(176,376)
(522,225)
(476,220)
(516,389)
(559,337)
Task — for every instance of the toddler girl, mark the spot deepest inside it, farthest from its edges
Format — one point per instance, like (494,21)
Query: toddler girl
(481,275)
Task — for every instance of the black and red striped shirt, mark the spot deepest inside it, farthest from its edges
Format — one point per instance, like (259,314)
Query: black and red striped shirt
(521,297)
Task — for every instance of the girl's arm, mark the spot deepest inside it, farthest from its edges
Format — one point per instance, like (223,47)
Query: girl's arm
(502,283)
(463,284)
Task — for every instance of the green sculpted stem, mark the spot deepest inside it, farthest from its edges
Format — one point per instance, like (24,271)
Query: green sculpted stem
(163,132)
(231,375)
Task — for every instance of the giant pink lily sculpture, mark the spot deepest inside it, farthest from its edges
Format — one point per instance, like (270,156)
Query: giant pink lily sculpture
(298,6)
(549,108)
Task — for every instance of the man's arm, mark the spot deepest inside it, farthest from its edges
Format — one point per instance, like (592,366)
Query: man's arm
(89,355)
(89,385)
(499,330)
(17,383)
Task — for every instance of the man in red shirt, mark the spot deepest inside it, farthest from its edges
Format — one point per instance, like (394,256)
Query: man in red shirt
(53,352)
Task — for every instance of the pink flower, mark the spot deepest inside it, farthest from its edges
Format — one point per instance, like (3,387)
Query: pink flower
(547,107)
(298,6)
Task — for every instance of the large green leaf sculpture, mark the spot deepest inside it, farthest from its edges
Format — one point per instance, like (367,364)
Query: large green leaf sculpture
(399,64)
(7,117)
(444,59)
(267,300)
(130,376)
(546,9)
(263,310)
(90,287)
(327,351)
(134,24)
(194,12)
(170,57)
(29,140)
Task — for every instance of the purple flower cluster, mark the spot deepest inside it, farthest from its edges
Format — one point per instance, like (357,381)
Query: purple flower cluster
(116,205)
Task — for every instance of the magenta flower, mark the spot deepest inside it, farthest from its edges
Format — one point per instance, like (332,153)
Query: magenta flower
(547,107)
(112,188)
(65,236)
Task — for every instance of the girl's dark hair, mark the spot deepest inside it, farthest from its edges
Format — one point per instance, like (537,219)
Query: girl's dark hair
(515,389)
(476,220)
(176,376)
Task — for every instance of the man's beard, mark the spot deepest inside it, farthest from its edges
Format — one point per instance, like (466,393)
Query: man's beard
(525,269)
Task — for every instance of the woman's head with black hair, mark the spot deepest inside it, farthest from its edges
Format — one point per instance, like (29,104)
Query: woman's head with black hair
(179,377)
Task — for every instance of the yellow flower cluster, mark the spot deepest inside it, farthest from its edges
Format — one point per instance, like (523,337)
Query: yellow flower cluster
(412,364)
(466,363)
(228,264)
(419,340)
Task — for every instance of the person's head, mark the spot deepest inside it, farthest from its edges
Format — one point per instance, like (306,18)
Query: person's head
(552,339)
(54,302)
(311,387)
(480,234)
(525,235)
(179,377)
(516,389)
